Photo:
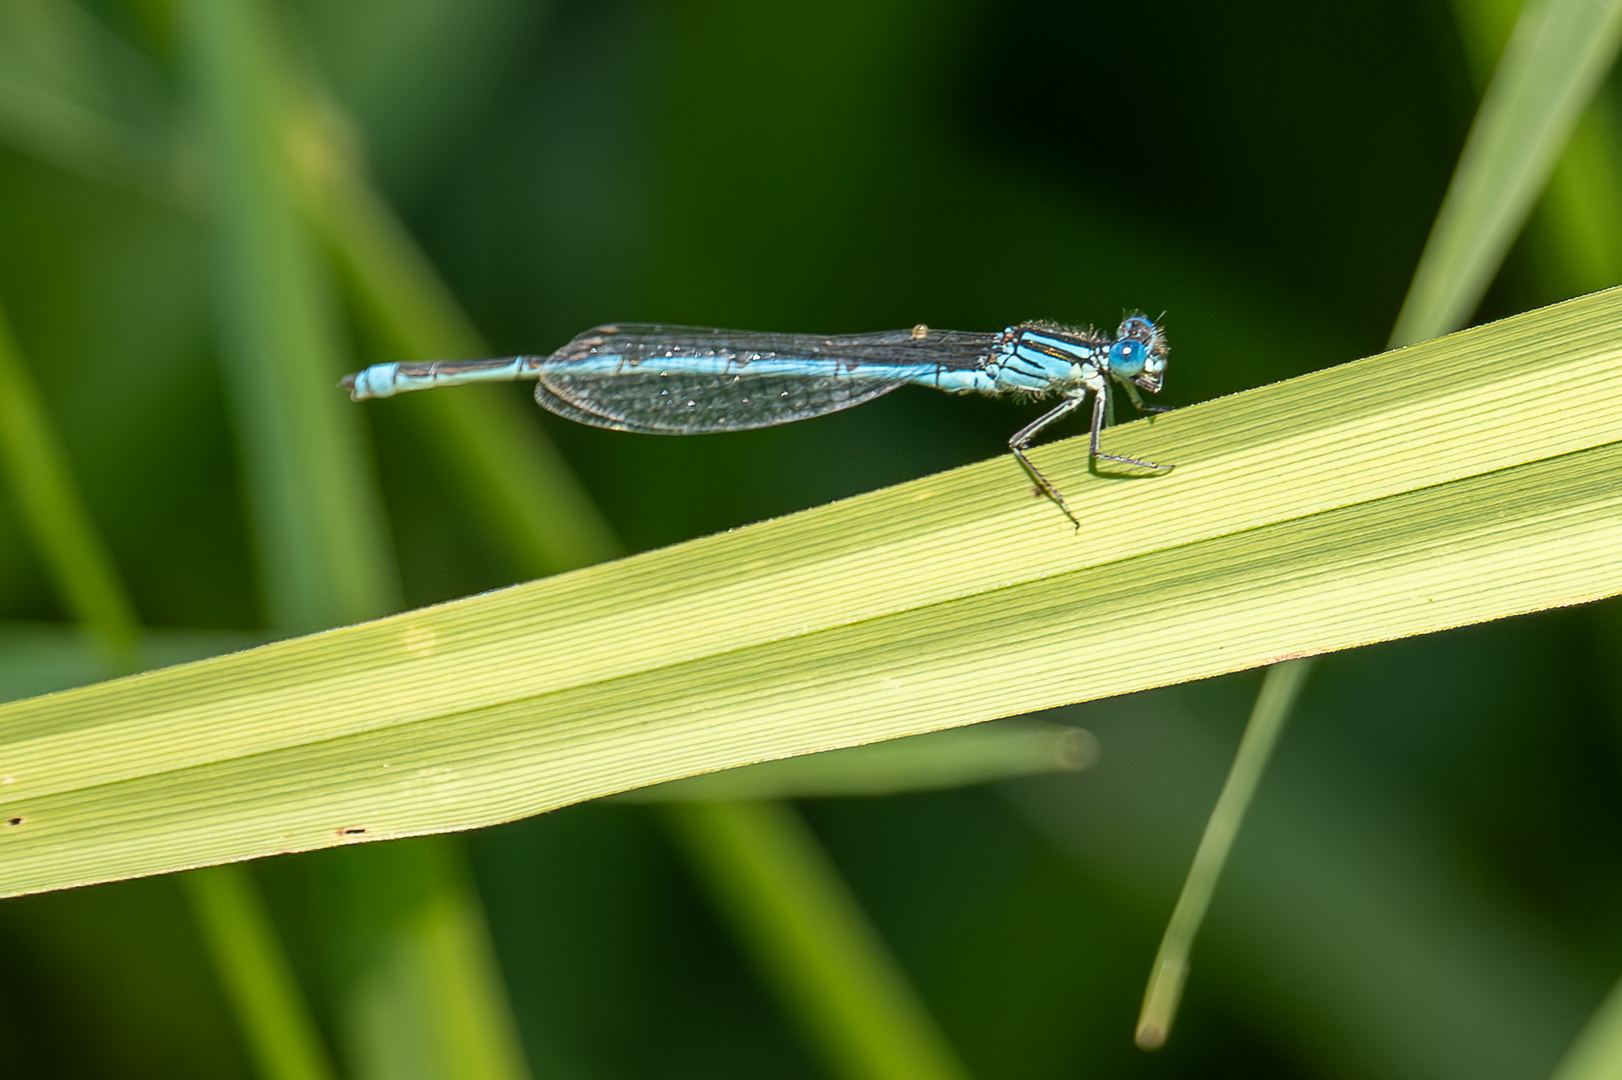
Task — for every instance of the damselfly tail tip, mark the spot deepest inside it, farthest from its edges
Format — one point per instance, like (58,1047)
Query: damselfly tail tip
(347,384)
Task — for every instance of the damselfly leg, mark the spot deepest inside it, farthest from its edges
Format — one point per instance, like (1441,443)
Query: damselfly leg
(1022,439)
(1100,409)
(1022,442)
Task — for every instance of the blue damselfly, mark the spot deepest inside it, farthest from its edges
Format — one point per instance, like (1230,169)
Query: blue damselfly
(681,380)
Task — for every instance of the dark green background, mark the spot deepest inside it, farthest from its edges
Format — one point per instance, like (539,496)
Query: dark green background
(1430,883)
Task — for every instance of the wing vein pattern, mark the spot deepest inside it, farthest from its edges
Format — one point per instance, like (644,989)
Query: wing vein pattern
(673,380)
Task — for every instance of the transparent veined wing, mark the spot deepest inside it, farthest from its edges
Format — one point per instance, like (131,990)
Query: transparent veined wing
(685,403)
(682,380)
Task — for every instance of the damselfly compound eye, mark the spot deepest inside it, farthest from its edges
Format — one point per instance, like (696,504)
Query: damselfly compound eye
(1126,357)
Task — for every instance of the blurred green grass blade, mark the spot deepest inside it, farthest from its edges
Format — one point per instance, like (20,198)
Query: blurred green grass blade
(942,759)
(323,546)
(762,866)
(1582,210)
(74,94)
(1273,705)
(55,515)
(323,541)
(53,108)
(424,995)
(41,658)
(1557,56)
(1393,496)
(515,479)
(798,921)
(281,1036)
(1580,221)
(395,285)
(1484,29)
(511,472)
(276,1022)
(278,1029)
(1597,1053)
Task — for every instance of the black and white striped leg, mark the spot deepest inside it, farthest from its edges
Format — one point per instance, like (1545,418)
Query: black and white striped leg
(1022,441)
(1100,411)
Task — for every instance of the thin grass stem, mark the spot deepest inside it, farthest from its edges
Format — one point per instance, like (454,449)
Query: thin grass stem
(1280,688)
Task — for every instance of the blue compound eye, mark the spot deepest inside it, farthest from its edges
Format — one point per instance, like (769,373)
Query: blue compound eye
(1126,357)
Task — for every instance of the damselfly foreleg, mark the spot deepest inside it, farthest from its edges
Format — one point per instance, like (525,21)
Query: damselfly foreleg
(1100,411)
(1139,403)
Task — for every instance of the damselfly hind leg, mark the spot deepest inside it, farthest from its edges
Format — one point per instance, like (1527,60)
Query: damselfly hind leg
(1022,441)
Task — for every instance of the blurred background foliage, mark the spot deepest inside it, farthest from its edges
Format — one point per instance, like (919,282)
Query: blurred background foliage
(1429,882)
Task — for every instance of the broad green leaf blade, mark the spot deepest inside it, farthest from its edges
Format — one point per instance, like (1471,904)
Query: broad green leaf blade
(1398,495)
(40,658)
(1557,57)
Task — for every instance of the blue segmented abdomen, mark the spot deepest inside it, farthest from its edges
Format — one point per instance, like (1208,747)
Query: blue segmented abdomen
(386,380)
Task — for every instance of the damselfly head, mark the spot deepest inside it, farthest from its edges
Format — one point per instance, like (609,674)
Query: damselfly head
(1138,353)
